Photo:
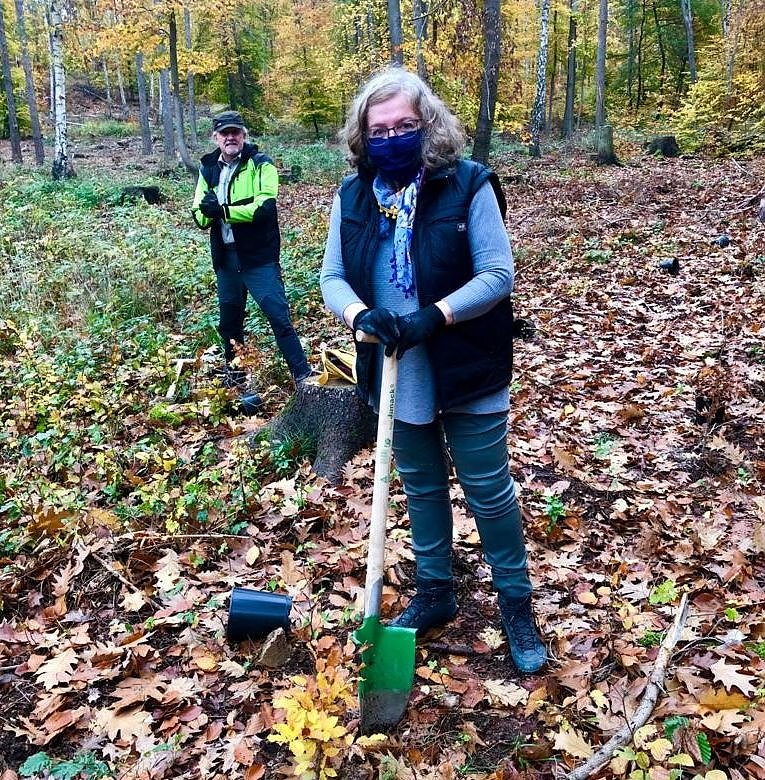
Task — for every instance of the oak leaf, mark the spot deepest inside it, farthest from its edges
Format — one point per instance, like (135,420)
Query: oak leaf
(570,741)
(506,694)
(58,669)
(730,677)
(126,725)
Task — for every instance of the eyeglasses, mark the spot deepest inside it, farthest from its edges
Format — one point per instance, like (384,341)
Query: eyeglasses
(404,127)
(232,131)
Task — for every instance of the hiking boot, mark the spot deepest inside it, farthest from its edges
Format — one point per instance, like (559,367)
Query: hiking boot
(526,649)
(432,605)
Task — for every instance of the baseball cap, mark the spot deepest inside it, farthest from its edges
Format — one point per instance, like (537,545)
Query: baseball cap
(227,119)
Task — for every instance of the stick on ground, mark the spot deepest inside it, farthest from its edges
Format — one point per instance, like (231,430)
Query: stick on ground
(650,696)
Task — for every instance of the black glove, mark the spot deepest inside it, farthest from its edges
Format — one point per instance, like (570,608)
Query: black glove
(418,326)
(210,207)
(382,323)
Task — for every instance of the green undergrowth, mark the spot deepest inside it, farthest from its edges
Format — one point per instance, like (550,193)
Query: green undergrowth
(99,301)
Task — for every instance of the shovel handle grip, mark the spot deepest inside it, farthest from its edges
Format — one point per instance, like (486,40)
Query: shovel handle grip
(383,454)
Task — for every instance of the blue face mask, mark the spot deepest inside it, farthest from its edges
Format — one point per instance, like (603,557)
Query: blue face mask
(397,158)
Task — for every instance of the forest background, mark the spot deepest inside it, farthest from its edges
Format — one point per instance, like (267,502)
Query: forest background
(134,493)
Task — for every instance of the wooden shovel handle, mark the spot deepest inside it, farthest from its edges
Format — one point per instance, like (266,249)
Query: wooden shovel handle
(383,453)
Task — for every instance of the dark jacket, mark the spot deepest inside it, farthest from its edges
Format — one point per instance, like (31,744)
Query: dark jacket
(472,358)
(250,208)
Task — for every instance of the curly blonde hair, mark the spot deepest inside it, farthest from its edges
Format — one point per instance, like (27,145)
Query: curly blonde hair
(443,138)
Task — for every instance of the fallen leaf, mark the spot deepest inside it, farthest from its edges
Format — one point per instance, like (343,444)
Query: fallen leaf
(572,742)
(58,669)
(730,676)
(506,694)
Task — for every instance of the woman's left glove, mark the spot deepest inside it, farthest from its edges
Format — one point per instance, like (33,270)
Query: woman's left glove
(418,326)
(210,207)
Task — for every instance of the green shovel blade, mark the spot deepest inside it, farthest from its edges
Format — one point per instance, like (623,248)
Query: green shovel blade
(387,675)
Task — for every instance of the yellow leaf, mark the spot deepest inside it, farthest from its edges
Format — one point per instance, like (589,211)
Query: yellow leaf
(660,748)
(643,735)
(681,759)
(252,555)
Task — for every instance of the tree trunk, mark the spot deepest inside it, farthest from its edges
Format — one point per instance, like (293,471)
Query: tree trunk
(492,39)
(630,14)
(143,105)
(606,154)
(193,137)
(553,72)
(538,111)
(177,102)
(568,114)
(51,78)
(421,34)
(662,51)
(108,87)
(26,63)
(10,100)
(121,87)
(166,100)
(600,66)
(396,34)
(725,17)
(62,164)
(685,5)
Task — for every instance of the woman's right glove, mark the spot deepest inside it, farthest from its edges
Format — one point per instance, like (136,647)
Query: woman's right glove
(381,323)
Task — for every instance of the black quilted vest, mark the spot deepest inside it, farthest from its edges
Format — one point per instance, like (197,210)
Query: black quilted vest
(470,359)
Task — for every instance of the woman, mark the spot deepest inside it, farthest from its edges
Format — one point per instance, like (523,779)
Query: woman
(418,256)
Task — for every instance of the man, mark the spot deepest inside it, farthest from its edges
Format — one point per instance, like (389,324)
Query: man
(236,199)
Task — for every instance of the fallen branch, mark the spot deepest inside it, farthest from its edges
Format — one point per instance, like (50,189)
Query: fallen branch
(650,696)
(126,582)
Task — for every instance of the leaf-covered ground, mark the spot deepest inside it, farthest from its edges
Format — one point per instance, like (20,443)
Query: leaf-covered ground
(638,443)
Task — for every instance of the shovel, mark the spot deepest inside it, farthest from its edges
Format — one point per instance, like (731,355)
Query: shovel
(388,654)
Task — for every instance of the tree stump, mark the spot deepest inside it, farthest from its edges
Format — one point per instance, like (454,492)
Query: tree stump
(606,154)
(665,145)
(334,417)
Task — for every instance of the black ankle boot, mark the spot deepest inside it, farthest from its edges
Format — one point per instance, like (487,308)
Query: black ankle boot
(526,648)
(432,605)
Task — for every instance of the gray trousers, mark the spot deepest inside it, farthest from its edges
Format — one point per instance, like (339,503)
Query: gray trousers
(478,447)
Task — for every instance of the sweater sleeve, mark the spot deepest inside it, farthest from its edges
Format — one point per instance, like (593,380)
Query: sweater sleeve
(493,273)
(335,290)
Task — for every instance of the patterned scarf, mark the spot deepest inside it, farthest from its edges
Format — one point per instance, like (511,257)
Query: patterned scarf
(401,205)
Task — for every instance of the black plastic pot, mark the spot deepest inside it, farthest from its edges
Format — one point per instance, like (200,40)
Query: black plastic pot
(253,614)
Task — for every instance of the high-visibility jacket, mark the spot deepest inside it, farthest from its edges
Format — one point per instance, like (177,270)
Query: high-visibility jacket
(250,208)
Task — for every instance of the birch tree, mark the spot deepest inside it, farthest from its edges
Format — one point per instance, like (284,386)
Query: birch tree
(492,35)
(10,100)
(538,111)
(29,84)
(62,163)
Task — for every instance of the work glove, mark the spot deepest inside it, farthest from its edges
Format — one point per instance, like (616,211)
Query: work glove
(418,326)
(381,323)
(210,207)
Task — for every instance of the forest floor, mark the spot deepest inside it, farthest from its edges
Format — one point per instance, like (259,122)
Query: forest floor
(637,440)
